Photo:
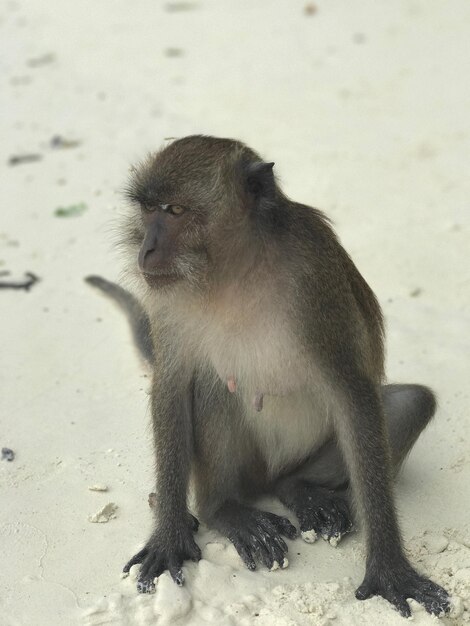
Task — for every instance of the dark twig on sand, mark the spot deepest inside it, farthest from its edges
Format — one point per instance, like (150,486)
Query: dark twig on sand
(31,279)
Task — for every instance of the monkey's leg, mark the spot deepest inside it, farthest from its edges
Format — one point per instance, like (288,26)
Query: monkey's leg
(317,492)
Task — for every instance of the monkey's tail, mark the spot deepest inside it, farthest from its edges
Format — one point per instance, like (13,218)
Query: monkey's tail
(138,319)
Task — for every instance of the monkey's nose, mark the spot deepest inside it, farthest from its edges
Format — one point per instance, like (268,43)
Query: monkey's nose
(150,261)
(144,259)
(154,261)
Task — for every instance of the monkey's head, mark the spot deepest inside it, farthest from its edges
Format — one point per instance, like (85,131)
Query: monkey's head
(202,203)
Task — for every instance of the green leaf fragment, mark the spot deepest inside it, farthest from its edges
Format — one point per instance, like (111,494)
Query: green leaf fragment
(74,210)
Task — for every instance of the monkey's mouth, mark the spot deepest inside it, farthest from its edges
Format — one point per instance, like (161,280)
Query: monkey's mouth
(160,280)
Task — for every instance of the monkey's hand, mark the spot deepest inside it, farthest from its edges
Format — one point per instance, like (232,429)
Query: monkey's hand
(165,551)
(396,584)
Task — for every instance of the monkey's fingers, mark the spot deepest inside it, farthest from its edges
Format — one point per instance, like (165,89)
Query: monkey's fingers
(176,572)
(433,597)
(366,591)
(137,558)
(433,605)
(401,605)
(145,585)
(397,586)
(244,552)
(152,567)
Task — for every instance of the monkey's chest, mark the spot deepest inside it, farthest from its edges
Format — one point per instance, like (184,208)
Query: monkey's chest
(284,402)
(263,360)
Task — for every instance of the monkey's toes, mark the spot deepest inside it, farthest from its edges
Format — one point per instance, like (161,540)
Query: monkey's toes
(321,513)
(136,559)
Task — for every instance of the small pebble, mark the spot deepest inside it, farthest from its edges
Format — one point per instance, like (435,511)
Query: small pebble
(98,487)
(309,536)
(310,9)
(105,514)
(435,544)
(456,607)
(7,454)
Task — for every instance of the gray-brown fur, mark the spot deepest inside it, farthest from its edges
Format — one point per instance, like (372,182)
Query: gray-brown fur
(251,295)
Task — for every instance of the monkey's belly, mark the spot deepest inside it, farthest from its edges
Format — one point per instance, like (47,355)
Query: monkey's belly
(290,428)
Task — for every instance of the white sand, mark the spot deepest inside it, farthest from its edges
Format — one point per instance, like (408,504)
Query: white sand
(365,107)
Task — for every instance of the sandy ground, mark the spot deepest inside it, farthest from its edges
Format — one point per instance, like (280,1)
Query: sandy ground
(365,108)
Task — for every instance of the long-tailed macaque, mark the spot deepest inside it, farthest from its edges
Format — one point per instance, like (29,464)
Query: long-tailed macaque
(268,371)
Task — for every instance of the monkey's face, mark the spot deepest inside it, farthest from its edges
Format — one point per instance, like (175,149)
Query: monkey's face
(194,218)
(162,248)
(171,231)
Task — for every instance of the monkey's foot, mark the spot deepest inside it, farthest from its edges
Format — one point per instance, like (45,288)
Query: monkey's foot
(256,535)
(396,584)
(319,511)
(161,554)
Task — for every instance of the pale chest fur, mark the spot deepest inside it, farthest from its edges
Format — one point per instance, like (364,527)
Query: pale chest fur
(256,347)
(267,358)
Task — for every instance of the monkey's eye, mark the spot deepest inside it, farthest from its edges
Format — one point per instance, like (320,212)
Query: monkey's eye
(174,209)
(148,208)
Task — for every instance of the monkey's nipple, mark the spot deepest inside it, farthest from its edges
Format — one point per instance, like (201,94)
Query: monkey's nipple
(257,399)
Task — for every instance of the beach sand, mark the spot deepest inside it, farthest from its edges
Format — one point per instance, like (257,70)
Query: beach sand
(365,109)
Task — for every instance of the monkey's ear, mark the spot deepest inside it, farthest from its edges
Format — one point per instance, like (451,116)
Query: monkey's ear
(260,179)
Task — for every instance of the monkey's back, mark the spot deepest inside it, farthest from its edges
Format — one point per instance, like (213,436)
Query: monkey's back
(330,291)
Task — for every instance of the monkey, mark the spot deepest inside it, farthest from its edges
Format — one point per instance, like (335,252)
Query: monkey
(267,351)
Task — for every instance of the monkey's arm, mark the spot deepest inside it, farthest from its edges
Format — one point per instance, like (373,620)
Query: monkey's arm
(361,432)
(172,541)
